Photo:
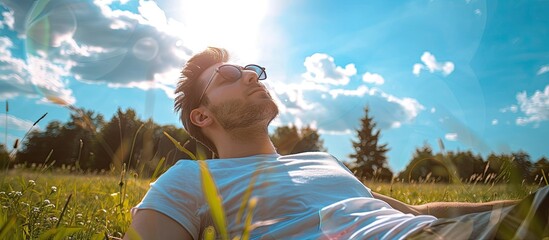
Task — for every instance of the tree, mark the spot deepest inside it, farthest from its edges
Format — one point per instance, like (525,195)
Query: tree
(370,160)
(424,166)
(87,142)
(467,164)
(309,141)
(116,139)
(522,167)
(290,140)
(284,139)
(540,170)
(69,144)
(156,145)
(499,168)
(4,157)
(44,147)
(81,137)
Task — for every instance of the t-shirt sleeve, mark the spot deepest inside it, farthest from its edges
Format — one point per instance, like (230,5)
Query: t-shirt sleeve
(176,194)
(350,172)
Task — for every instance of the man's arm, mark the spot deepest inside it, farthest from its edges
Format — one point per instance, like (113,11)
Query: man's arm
(444,209)
(150,224)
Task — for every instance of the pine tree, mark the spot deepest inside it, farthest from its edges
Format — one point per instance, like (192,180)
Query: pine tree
(370,160)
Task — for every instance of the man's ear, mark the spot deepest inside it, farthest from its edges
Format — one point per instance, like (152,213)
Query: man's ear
(200,117)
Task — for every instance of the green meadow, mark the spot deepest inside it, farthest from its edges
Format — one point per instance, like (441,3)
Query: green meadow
(64,204)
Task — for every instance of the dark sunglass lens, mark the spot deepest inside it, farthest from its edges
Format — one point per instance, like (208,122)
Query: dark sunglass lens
(230,72)
(258,70)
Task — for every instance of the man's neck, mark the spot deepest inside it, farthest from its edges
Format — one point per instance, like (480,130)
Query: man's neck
(244,142)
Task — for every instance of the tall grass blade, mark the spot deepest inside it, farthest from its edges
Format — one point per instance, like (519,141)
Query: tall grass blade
(133,145)
(213,199)
(28,131)
(77,163)
(39,119)
(127,168)
(448,164)
(247,225)
(121,185)
(181,148)
(247,195)
(63,211)
(158,167)
(47,159)
(544,177)
(59,233)
(7,227)
(132,234)
(209,233)
(6,136)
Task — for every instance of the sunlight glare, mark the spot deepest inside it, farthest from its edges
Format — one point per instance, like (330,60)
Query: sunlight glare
(234,25)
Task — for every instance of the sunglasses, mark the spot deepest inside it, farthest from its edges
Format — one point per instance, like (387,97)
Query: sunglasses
(233,73)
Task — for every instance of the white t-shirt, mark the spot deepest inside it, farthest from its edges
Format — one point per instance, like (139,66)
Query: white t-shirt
(302,196)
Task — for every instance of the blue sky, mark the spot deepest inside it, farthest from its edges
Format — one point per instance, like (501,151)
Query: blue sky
(472,73)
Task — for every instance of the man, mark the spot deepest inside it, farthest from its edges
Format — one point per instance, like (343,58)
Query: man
(302,196)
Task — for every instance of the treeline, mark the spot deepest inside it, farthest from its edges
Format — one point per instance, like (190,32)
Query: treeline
(446,166)
(465,166)
(87,142)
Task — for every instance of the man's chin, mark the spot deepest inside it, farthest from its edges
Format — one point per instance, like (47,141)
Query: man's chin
(270,106)
(236,115)
(268,110)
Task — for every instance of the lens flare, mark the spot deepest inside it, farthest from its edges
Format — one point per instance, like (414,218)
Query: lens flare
(48,27)
(78,40)
(145,49)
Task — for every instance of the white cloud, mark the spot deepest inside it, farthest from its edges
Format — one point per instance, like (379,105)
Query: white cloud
(495,122)
(478,12)
(512,108)
(430,63)
(417,68)
(8,20)
(34,77)
(359,92)
(373,78)
(322,69)
(410,106)
(48,80)
(91,42)
(543,69)
(536,107)
(152,13)
(340,113)
(451,136)
(347,104)
(396,124)
(15,123)
(344,132)
(433,110)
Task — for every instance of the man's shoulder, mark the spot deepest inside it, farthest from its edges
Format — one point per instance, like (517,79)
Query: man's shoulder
(181,170)
(184,164)
(311,156)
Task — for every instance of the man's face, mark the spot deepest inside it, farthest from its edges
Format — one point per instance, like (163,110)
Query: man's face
(237,103)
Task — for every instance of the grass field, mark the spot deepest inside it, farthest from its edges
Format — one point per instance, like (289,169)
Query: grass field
(54,204)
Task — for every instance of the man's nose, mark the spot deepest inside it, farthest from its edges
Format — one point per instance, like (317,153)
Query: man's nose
(249,77)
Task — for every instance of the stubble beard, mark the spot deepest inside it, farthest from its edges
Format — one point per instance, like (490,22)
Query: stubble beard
(238,114)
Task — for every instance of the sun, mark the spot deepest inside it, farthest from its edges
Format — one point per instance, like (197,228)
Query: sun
(235,25)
